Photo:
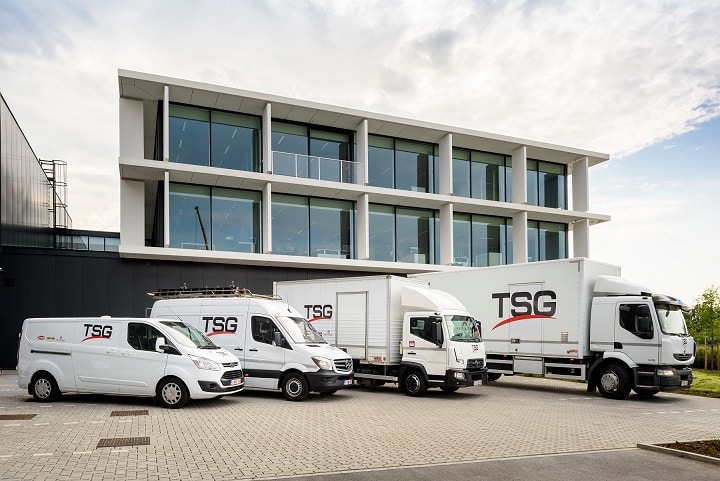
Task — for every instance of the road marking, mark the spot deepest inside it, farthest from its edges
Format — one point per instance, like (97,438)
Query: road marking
(41,424)
(128,421)
(10,425)
(97,422)
(119,451)
(73,422)
(6,455)
(82,452)
(43,454)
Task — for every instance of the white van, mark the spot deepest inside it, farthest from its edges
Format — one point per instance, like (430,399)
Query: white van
(164,358)
(277,346)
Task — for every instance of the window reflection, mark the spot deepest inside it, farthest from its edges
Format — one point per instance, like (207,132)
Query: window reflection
(480,241)
(546,241)
(235,141)
(189,135)
(382,232)
(546,184)
(402,164)
(235,220)
(190,216)
(381,162)
(290,225)
(403,235)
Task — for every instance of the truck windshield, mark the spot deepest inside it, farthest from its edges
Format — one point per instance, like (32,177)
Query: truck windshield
(671,319)
(463,328)
(187,335)
(300,330)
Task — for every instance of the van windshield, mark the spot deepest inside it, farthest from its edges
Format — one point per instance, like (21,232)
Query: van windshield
(300,330)
(188,336)
(463,328)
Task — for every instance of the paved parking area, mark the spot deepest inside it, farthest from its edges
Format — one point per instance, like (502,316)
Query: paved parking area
(258,435)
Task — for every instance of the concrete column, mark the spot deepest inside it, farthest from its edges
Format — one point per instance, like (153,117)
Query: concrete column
(166,124)
(267,139)
(132,213)
(520,237)
(446,165)
(580,185)
(519,176)
(362,153)
(166,210)
(131,129)
(581,238)
(267,219)
(446,234)
(363,227)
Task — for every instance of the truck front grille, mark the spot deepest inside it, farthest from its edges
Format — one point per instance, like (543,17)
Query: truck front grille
(343,365)
(475,363)
(682,357)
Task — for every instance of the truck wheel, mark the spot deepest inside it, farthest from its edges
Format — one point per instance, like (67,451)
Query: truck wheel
(294,387)
(44,388)
(414,384)
(646,392)
(613,381)
(494,376)
(448,389)
(172,393)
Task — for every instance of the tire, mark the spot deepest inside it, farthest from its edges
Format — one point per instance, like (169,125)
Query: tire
(613,381)
(646,392)
(172,393)
(449,389)
(414,383)
(494,376)
(44,388)
(294,387)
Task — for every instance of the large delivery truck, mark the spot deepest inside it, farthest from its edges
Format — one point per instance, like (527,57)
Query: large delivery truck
(576,319)
(277,347)
(395,329)
(163,358)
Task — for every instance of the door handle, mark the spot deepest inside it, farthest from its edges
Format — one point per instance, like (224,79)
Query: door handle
(253,350)
(411,352)
(238,349)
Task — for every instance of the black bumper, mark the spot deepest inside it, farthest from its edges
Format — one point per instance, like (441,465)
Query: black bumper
(681,380)
(326,381)
(212,386)
(472,378)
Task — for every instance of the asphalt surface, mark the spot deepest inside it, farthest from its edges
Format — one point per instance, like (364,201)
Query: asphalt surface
(516,428)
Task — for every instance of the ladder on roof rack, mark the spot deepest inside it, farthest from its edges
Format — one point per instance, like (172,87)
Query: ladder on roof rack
(195,292)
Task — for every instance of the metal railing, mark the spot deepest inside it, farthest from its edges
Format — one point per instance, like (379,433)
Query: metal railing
(314,167)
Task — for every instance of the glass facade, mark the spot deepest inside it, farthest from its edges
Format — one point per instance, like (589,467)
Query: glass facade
(403,235)
(208,218)
(481,175)
(307,226)
(546,241)
(480,240)
(214,138)
(402,164)
(546,184)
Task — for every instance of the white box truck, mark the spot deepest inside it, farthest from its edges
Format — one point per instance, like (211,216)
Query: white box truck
(164,358)
(396,330)
(277,347)
(576,319)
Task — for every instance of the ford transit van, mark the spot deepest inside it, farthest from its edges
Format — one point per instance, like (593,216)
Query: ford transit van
(162,358)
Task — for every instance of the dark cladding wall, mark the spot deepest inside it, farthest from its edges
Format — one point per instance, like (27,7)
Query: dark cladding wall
(46,283)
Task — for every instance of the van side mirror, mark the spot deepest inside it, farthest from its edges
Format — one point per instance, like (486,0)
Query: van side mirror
(277,339)
(159,344)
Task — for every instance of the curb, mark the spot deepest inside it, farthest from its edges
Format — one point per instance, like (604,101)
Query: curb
(681,454)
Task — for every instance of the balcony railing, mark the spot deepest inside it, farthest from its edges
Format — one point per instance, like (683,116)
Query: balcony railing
(314,167)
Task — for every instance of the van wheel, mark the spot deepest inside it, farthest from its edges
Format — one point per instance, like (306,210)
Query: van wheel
(294,387)
(414,383)
(172,393)
(44,388)
(613,381)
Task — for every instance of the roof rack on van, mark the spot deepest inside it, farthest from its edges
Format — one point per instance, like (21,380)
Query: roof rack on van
(192,292)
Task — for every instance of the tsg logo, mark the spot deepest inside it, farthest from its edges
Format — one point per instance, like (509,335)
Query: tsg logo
(525,305)
(97,331)
(215,325)
(316,312)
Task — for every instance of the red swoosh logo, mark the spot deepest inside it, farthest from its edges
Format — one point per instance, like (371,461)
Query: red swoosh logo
(319,319)
(218,332)
(94,337)
(520,318)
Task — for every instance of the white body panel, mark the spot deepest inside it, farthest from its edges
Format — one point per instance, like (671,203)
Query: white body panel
(94,355)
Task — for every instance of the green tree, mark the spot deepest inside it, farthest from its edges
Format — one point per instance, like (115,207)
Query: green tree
(704,322)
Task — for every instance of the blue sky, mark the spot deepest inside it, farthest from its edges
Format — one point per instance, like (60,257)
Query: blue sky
(637,80)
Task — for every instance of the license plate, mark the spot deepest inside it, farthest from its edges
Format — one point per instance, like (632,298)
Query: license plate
(347,382)
(477,383)
(683,383)
(235,382)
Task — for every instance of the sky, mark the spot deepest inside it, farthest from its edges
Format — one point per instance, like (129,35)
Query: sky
(639,81)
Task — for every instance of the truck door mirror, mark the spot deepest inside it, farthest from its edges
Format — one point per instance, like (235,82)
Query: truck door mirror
(437,331)
(643,310)
(644,327)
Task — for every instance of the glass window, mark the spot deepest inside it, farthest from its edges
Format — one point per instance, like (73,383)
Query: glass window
(381,162)
(189,216)
(634,318)
(382,232)
(290,225)
(488,176)
(290,149)
(142,336)
(461,172)
(552,241)
(327,149)
(532,182)
(422,327)
(412,165)
(263,329)
(533,242)
(488,241)
(236,220)
(235,141)
(552,185)
(332,228)
(96,243)
(461,240)
(508,179)
(112,244)
(415,241)
(189,135)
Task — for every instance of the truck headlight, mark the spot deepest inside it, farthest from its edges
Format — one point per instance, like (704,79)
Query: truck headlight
(459,376)
(205,363)
(322,363)
(666,372)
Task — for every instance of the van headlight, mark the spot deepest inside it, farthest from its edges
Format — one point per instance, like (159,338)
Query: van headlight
(205,363)
(323,363)
(666,372)
(460,376)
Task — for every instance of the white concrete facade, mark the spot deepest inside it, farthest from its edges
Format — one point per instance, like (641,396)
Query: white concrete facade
(145,98)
